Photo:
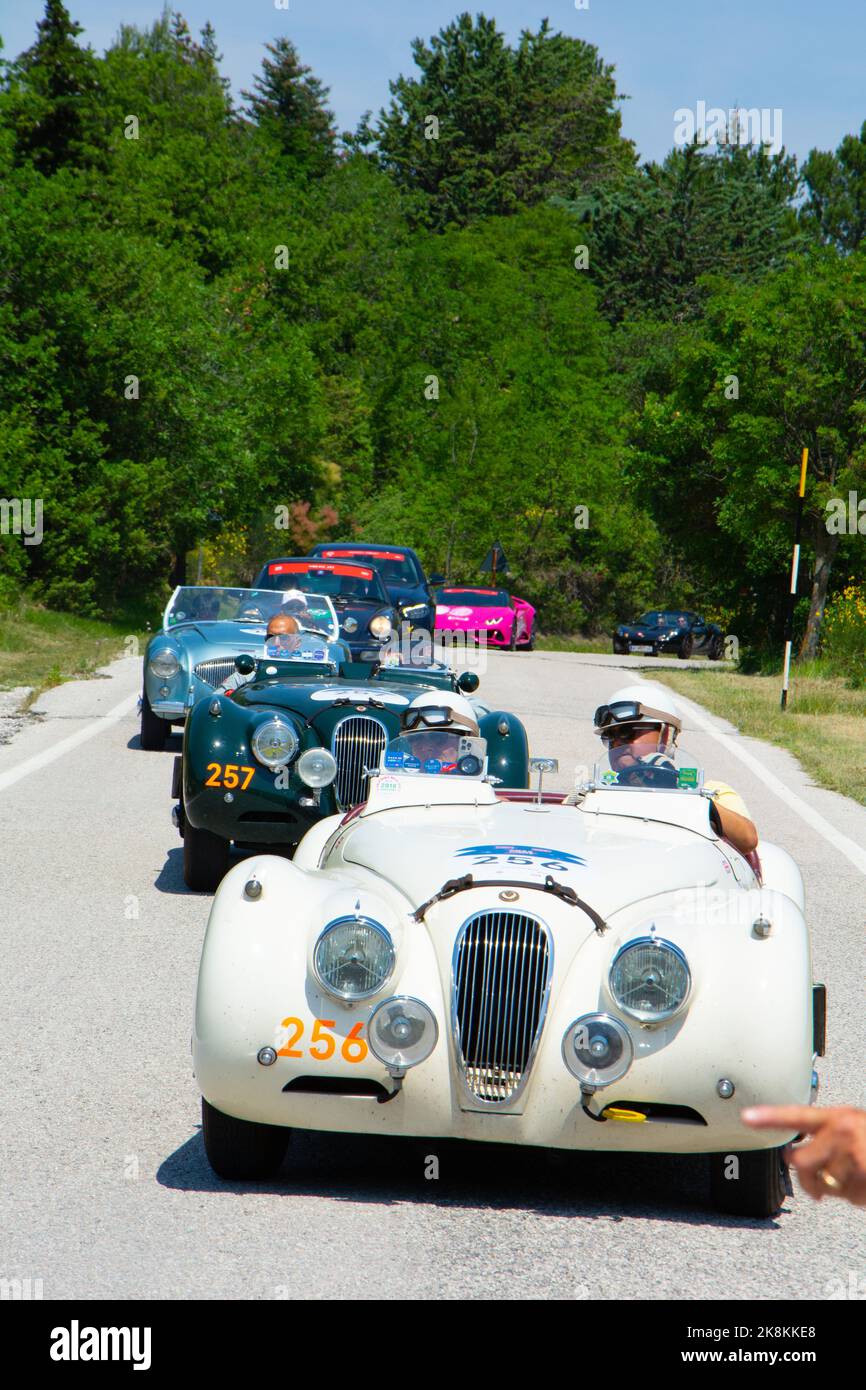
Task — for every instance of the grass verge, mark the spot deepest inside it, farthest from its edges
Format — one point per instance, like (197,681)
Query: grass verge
(41,648)
(575,643)
(824,725)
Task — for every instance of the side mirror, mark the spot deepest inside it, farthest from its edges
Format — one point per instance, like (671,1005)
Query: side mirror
(468,682)
(245,664)
(436,579)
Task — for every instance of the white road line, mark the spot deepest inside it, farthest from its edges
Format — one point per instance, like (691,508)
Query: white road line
(851,850)
(57,750)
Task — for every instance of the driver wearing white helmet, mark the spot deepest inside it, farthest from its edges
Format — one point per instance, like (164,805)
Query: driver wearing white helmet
(639,725)
(437,721)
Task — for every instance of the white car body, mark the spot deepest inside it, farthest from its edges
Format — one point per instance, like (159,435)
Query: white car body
(650,860)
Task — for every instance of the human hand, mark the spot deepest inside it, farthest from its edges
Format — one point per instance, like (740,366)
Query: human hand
(832,1163)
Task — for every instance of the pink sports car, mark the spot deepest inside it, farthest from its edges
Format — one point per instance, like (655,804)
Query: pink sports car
(507,621)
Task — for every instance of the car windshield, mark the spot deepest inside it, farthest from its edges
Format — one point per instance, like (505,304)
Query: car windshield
(435,752)
(662,618)
(251,608)
(473,598)
(344,582)
(393,567)
(648,769)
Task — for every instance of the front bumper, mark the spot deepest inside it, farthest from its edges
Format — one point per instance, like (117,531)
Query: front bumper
(169,709)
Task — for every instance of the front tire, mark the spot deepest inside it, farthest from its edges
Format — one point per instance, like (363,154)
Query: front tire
(757,1186)
(240,1149)
(717,649)
(687,646)
(205,858)
(154,731)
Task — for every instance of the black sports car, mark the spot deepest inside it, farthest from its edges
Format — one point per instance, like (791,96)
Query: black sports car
(402,574)
(367,617)
(670,630)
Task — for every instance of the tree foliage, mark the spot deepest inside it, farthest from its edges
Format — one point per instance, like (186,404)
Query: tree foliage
(211,317)
(487,129)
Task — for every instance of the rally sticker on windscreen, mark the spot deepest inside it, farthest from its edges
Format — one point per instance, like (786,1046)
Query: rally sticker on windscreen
(500,861)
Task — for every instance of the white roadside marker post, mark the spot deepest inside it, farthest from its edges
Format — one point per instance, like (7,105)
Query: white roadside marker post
(792,592)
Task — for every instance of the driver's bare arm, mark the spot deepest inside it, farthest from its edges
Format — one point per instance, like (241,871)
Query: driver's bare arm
(736,829)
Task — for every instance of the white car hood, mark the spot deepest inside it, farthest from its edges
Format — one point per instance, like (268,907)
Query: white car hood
(610,861)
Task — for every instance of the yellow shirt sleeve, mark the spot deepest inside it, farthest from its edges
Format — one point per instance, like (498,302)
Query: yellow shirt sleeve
(727,797)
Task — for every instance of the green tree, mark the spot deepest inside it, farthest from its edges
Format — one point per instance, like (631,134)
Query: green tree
(289,104)
(652,236)
(487,129)
(836,204)
(772,369)
(55,96)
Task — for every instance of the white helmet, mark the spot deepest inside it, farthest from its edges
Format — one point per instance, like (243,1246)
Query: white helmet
(653,705)
(462,715)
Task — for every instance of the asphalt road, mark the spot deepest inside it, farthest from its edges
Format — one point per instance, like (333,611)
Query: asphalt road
(106,1191)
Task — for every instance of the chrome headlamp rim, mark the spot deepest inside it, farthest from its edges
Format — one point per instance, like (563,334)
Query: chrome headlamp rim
(625,1063)
(402,999)
(164,653)
(300,767)
(352,919)
(381,626)
(641,1015)
(275,722)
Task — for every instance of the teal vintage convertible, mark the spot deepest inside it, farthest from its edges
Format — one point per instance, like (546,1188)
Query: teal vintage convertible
(296,741)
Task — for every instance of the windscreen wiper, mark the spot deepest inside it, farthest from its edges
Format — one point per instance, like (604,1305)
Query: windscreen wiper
(550,885)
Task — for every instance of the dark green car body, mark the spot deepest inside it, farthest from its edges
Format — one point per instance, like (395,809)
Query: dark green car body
(221,800)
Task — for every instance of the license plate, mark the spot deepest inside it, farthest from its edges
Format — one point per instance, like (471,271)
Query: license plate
(640,649)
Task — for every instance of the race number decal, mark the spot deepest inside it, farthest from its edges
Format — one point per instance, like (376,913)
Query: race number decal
(500,861)
(229,775)
(322,1045)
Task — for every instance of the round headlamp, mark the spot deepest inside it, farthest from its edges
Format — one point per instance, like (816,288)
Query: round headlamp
(164,664)
(650,979)
(380,626)
(402,1032)
(274,743)
(353,958)
(317,767)
(350,624)
(597,1049)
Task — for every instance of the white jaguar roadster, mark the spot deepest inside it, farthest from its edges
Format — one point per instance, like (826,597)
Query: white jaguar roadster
(453,959)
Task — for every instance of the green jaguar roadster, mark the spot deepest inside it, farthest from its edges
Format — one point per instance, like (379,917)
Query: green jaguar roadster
(293,742)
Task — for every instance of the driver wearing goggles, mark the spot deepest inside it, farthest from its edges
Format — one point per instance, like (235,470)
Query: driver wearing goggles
(639,728)
(436,728)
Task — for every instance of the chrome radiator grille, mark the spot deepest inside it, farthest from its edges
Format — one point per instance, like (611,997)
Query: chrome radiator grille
(216,670)
(502,967)
(357,743)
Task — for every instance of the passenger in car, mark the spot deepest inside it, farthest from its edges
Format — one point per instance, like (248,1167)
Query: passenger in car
(639,728)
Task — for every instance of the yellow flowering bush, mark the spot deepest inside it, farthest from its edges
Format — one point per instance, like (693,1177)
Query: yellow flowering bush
(843,632)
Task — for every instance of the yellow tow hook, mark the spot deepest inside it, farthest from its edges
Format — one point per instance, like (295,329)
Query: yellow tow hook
(613,1112)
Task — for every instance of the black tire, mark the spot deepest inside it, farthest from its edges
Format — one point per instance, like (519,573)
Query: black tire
(530,645)
(205,859)
(760,1187)
(687,646)
(512,641)
(154,731)
(717,649)
(240,1149)
(177,778)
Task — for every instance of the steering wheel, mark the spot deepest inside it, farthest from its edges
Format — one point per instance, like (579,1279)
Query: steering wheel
(647,776)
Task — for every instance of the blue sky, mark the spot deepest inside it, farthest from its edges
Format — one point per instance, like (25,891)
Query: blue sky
(803,56)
